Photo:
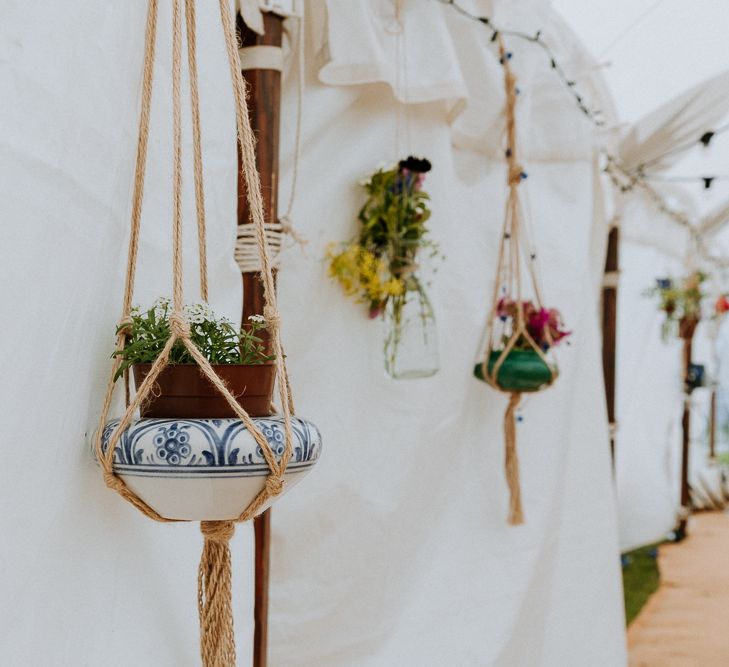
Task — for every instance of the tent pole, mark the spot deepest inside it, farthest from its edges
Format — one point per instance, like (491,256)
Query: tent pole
(712,424)
(687,326)
(609,328)
(264,106)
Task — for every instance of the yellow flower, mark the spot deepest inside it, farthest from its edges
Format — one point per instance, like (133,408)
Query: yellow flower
(394,287)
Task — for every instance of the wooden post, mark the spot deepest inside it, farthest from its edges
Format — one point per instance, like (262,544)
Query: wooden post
(609,328)
(712,424)
(264,106)
(687,327)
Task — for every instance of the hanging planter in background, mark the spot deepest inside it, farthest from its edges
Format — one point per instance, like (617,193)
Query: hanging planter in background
(519,332)
(519,370)
(219,469)
(680,301)
(380,267)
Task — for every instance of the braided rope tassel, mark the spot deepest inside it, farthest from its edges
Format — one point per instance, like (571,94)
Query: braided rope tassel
(214,597)
(511,462)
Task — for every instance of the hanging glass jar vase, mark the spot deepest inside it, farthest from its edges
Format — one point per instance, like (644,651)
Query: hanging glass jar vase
(410,336)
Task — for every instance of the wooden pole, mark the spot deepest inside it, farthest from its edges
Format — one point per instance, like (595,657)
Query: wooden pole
(687,328)
(712,424)
(610,328)
(264,106)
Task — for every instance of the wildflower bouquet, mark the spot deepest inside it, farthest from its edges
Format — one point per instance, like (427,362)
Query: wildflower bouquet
(521,364)
(681,303)
(381,263)
(543,325)
(380,266)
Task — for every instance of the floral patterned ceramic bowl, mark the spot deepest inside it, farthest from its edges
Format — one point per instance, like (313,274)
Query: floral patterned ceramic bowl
(206,469)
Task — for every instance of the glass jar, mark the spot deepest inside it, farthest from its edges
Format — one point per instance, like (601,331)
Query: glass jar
(411,337)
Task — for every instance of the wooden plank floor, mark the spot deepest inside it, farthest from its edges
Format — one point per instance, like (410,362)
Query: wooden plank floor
(686,623)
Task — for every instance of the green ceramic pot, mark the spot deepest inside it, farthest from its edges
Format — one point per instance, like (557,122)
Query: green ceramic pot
(522,370)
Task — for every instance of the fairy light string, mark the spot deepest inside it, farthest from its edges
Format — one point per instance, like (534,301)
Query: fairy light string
(624,180)
(569,83)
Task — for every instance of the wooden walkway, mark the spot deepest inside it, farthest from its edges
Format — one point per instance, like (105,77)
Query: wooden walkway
(686,623)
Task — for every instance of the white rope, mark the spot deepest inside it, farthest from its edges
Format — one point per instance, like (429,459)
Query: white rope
(246,246)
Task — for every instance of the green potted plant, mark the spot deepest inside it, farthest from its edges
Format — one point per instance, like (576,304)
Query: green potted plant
(681,302)
(521,365)
(238,356)
(380,267)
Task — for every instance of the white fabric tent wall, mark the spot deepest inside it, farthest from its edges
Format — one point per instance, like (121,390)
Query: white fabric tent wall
(396,551)
(649,400)
(650,383)
(406,558)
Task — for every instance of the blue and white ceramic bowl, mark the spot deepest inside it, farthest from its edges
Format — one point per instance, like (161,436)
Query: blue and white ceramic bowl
(206,469)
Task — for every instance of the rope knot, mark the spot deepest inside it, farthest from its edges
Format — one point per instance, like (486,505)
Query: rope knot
(179,325)
(516,173)
(112,481)
(125,326)
(274,485)
(273,319)
(217,531)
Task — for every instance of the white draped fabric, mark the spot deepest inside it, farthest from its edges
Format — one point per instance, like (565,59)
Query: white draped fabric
(396,550)
(681,121)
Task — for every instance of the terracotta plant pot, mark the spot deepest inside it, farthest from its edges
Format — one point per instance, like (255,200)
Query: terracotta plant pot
(687,326)
(522,371)
(181,390)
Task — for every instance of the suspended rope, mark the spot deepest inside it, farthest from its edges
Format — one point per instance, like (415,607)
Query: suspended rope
(216,622)
(595,116)
(515,273)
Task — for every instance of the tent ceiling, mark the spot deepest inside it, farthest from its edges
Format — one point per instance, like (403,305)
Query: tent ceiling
(655,50)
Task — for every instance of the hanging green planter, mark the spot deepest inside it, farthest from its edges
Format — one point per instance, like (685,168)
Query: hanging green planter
(522,371)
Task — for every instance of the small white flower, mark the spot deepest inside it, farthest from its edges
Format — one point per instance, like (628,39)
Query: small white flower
(257,319)
(197,313)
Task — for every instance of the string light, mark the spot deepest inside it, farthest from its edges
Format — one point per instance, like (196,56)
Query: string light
(706,181)
(626,181)
(622,179)
(570,85)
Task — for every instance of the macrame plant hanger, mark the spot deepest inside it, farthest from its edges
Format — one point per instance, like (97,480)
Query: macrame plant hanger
(217,642)
(515,267)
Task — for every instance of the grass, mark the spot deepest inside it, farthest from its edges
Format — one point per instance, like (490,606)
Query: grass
(640,578)
(723,458)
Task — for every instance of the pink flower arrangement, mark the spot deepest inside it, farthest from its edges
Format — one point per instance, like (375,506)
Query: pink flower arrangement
(544,325)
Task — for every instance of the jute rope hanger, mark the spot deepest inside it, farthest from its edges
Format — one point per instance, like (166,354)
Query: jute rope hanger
(510,266)
(214,592)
